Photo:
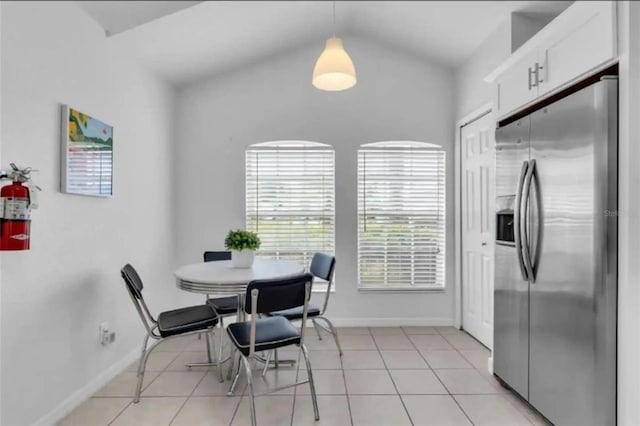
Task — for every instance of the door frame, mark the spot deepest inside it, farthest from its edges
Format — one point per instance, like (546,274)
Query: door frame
(474,115)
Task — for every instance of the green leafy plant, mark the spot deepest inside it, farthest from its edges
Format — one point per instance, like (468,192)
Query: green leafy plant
(242,240)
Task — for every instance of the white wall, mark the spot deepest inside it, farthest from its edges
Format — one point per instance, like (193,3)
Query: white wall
(472,92)
(396,98)
(55,295)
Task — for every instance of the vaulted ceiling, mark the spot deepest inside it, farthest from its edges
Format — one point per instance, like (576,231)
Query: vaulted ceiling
(183,41)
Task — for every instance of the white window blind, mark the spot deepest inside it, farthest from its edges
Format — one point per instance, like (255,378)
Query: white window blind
(401,215)
(290,200)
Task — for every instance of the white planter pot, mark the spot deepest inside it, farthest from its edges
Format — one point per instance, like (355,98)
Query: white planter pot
(242,258)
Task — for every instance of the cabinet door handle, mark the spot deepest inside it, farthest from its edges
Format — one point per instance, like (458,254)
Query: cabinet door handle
(538,78)
(533,71)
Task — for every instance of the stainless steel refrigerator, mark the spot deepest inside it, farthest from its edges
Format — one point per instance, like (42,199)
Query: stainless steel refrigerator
(556,256)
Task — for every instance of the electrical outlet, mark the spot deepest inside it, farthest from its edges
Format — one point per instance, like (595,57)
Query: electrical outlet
(106,335)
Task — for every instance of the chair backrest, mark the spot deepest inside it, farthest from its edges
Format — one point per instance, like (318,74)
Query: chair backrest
(132,280)
(323,266)
(134,286)
(213,256)
(264,296)
(278,294)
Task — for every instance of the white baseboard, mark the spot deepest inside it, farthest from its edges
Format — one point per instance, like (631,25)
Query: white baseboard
(391,322)
(84,393)
(490,364)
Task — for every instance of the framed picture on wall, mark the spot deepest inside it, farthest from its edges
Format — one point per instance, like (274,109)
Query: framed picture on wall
(87,155)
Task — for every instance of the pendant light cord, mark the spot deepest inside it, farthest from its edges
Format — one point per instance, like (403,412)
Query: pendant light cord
(334,18)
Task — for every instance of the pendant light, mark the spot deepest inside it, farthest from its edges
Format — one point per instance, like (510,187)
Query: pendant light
(334,70)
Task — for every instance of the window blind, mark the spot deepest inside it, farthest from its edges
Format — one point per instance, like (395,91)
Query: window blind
(290,201)
(401,216)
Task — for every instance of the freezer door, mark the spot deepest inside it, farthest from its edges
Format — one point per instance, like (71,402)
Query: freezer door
(573,238)
(511,292)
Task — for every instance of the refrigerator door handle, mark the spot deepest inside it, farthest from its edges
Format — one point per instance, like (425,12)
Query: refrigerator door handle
(517,220)
(523,223)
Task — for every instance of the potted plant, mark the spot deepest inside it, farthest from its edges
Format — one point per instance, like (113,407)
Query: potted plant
(243,245)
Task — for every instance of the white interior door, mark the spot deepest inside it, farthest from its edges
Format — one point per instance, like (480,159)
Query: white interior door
(478,222)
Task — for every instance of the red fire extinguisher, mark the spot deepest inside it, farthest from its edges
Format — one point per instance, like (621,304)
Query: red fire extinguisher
(16,202)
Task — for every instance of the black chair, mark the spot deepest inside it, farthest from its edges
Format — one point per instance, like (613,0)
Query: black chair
(224,306)
(323,267)
(269,333)
(198,319)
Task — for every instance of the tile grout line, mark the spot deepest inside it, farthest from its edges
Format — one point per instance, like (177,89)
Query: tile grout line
(452,396)
(438,377)
(344,379)
(420,353)
(295,388)
(518,408)
(145,387)
(479,370)
(232,355)
(390,376)
(121,411)
(207,371)
(521,409)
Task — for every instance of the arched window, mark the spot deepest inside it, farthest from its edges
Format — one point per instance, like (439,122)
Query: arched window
(290,198)
(401,215)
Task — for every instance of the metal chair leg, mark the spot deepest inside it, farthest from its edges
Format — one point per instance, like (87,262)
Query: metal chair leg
(208,350)
(247,367)
(237,376)
(220,340)
(142,367)
(266,363)
(275,358)
(315,325)
(212,336)
(144,349)
(311,385)
(334,331)
(200,335)
(232,361)
(233,383)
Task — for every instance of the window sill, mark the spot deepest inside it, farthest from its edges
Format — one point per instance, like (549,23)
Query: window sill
(400,290)
(320,286)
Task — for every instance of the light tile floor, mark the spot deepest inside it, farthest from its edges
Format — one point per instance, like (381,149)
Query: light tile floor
(388,376)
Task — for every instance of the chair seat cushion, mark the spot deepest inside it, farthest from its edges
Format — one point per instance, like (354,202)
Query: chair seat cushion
(296,313)
(224,305)
(271,333)
(185,320)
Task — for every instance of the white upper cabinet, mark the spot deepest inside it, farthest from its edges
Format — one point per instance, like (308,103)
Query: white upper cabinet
(588,41)
(576,43)
(518,86)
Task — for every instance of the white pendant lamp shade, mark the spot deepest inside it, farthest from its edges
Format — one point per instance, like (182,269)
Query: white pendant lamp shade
(334,70)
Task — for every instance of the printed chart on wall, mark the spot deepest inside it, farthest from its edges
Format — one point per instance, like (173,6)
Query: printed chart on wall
(87,154)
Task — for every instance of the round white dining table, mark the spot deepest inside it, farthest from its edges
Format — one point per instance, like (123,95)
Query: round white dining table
(221,278)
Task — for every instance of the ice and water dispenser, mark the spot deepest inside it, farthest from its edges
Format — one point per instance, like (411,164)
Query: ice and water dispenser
(504,220)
